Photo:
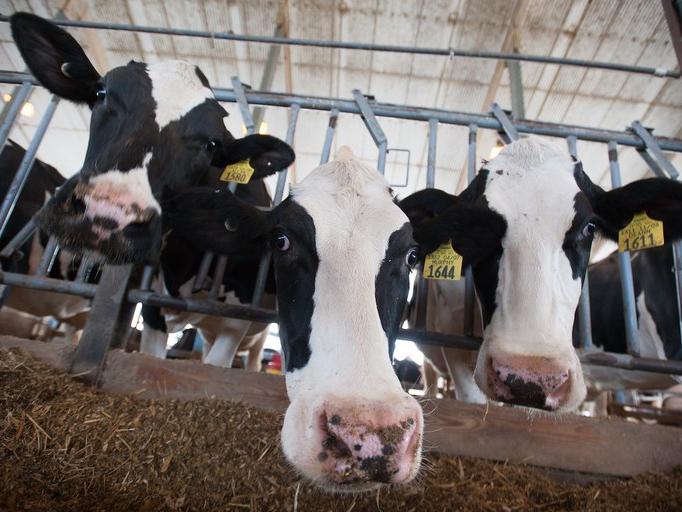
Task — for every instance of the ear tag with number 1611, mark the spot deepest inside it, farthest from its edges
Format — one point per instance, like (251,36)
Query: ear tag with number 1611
(643,232)
(443,263)
(240,172)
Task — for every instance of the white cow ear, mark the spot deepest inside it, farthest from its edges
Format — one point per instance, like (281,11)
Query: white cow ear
(55,58)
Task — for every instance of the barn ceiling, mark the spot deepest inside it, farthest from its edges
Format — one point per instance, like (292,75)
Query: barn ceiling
(623,31)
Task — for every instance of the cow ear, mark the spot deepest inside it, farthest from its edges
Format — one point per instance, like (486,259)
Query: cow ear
(55,58)
(474,230)
(659,198)
(218,221)
(266,154)
(426,204)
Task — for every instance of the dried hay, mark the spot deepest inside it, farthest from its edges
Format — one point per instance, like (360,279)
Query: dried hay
(64,446)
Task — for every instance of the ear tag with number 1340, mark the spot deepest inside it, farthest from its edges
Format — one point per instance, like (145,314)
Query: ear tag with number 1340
(443,263)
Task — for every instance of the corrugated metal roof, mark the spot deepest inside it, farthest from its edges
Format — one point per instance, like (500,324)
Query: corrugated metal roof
(627,31)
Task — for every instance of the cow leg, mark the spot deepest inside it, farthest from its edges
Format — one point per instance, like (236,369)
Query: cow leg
(461,364)
(226,343)
(429,379)
(256,343)
(154,334)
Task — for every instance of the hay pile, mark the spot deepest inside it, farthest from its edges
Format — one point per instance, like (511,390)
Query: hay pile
(67,447)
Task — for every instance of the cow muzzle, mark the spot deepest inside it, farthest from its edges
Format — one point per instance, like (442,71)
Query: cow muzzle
(358,447)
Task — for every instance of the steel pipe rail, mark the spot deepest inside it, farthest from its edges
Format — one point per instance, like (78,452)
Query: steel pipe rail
(350,45)
(483,121)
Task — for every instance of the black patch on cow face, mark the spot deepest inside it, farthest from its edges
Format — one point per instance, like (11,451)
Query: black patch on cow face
(578,239)
(295,273)
(392,283)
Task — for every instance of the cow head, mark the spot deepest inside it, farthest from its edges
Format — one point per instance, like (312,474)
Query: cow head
(155,130)
(342,253)
(526,225)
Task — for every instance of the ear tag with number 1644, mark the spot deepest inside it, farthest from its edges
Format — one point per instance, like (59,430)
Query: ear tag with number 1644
(443,263)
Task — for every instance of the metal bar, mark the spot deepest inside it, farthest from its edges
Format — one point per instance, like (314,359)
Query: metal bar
(469,292)
(370,120)
(508,128)
(240,97)
(677,262)
(483,121)
(13,110)
(109,319)
(48,284)
(348,45)
(329,137)
(15,188)
(261,278)
(381,160)
(516,83)
(83,269)
(625,267)
(23,236)
(204,267)
(218,275)
(674,18)
(431,156)
(584,310)
(655,168)
(147,275)
(654,149)
(49,254)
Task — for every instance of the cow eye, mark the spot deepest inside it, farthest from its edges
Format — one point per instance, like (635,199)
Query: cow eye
(211,144)
(589,229)
(411,257)
(101,94)
(282,242)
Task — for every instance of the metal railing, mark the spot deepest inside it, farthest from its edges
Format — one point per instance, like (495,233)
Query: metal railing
(651,148)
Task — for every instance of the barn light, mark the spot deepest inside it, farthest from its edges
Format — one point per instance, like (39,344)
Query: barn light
(263,130)
(7,97)
(243,129)
(495,150)
(28,110)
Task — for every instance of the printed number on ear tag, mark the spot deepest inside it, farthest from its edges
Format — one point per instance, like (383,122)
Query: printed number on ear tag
(240,172)
(643,232)
(443,263)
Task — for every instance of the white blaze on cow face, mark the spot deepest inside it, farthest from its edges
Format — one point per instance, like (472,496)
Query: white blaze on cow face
(349,423)
(529,337)
(176,89)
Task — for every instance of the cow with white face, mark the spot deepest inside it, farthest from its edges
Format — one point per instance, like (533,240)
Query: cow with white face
(155,130)
(342,251)
(526,225)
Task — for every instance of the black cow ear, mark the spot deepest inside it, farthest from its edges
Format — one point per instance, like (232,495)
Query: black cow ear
(426,204)
(475,231)
(217,220)
(55,58)
(266,154)
(659,198)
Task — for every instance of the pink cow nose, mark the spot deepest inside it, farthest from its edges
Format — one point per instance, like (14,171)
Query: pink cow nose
(536,382)
(356,450)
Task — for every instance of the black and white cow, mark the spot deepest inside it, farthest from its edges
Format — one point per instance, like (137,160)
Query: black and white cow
(180,261)
(155,130)
(526,225)
(658,319)
(41,184)
(342,253)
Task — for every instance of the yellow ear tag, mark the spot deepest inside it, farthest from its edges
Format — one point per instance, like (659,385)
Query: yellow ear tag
(643,232)
(240,172)
(443,263)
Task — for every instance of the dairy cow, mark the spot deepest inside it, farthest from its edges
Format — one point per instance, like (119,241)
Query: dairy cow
(526,225)
(342,254)
(155,130)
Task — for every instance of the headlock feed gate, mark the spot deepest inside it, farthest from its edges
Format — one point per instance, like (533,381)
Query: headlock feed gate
(122,287)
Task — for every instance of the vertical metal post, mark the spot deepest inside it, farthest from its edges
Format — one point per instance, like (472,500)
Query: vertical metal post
(469,294)
(509,131)
(625,267)
(370,120)
(49,254)
(584,310)
(264,266)
(108,323)
(431,157)
(13,110)
(516,83)
(15,188)
(147,274)
(204,267)
(218,276)
(329,137)
(239,93)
